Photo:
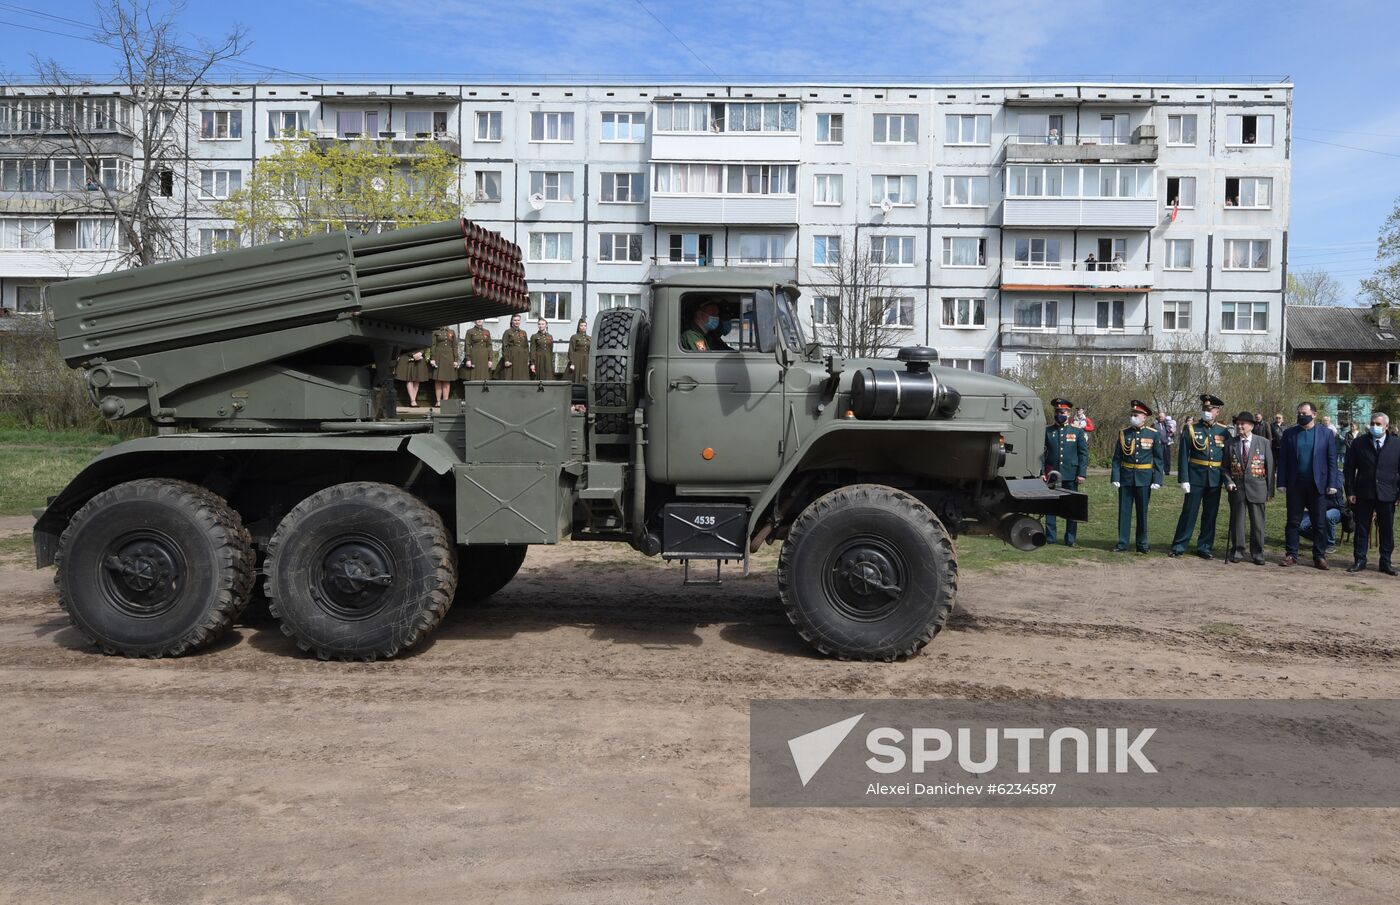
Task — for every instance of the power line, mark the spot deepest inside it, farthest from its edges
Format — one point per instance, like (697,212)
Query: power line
(1348,147)
(677,37)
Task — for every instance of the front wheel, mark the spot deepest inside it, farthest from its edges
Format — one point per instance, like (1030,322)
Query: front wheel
(868,573)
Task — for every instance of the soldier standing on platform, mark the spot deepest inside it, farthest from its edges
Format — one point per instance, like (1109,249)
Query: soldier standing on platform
(476,358)
(1199,470)
(515,352)
(1137,471)
(542,353)
(579,344)
(1067,454)
(412,368)
(444,362)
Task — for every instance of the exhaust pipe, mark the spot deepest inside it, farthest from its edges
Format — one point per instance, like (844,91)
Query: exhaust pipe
(1023,532)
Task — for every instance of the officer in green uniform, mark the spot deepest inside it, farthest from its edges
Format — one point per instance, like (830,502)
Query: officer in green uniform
(703,322)
(514,363)
(476,360)
(1067,455)
(579,345)
(1201,476)
(1137,471)
(542,352)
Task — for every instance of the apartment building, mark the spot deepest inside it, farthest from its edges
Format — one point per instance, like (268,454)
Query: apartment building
(1011,221)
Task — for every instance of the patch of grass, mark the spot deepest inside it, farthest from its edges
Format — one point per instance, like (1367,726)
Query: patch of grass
(22,436)
(29,475)
(1361,588)
(1227,629)
(16,545)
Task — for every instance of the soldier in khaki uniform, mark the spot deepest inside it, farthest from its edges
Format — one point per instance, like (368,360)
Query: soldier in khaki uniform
(444,361)
(542,353)
(579,344)
(476,358)
(515,353)
(412,368)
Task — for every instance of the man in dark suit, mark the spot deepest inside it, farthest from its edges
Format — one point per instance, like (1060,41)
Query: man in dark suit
(1249,478)
(1372,479)
(1308,473)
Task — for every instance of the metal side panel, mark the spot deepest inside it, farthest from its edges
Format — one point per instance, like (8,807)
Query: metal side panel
(509,504)
(516,421)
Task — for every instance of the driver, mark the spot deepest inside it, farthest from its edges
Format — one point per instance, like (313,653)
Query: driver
(704,322)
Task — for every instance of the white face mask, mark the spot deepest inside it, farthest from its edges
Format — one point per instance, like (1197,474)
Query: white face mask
(1207,416)
(1136,420)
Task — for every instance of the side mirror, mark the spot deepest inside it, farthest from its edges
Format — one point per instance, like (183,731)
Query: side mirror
(765,320)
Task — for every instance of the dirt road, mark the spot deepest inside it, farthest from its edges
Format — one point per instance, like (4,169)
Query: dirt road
(582,737)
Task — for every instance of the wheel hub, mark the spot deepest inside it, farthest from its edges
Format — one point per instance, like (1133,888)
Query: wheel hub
(355,573)
(866,579)
(143,575)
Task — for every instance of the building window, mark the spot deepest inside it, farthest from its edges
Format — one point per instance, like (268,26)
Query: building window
(67,175)
(29,299)
(1392,372)
(488,185)
(288,123)
(551,127)
(619,248)
(352,124)
(969,313)
(828,189)
(1181,191)
(1038,253)
(424,123)
(826,310)
(624,127)
(892,311)
(899,190)
(1319,371)
(1344,372)
(1246,254)
(488,125)
(219,183)
(1176,317)
(1110,315)
(610,300)
(1244,317)
(212,240)
(87,234)
(26,175)
(623,188)
(1179,254)
(826,249)
(964,251)
(551,248)
(220,124)
(968,129)
(1249,130)
(691,248)
(965,191)
(760,248)
(831,128)
(552,185)
(1080,182)
(26,232)
(1037,314)
(760,179)
(552,306)
(892,251)
(720,116)
(688,178)
(1248,191)
(1181,129)
(965,364)
(896,128)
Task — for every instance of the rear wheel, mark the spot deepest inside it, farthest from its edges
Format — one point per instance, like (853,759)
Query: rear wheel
(154,568)
(359,571)
(482,571)
(867,573)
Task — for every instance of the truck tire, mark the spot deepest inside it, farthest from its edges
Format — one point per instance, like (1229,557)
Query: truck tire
(154,568)
(867,573)
(360,571)
(619,352)
(482,571)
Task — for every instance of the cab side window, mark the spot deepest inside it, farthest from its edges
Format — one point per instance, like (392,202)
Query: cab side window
(717,323)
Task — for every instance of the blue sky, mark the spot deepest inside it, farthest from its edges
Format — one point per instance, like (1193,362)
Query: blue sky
(1341,55)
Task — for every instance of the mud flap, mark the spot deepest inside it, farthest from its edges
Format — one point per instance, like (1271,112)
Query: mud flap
(1033,496)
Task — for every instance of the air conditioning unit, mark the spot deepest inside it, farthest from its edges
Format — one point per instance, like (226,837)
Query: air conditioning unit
(1146,134)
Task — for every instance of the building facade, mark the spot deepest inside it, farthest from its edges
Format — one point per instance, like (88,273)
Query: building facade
(1348,358)
(1009,221)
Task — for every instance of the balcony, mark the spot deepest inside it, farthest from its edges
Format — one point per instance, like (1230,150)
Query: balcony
(771,268)
(1075,276)
(762,210)
(1107,212)
(721,147)
(1054,148)
(1077,338)
(393,143)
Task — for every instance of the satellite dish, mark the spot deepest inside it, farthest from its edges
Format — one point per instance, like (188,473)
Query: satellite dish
(377,183)
(537,201)
(886,205)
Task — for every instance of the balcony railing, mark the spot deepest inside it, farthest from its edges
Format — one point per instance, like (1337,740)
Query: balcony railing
(724,209)
(1077,337)
(723,261)
(1102,276)
(393,141)
(1141,146)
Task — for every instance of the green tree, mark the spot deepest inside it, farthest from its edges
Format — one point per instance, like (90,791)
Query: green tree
(1312,287)
(310,187)
(1383,286)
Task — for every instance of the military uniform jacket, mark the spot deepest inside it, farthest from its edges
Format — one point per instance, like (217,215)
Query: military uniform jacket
(1137,457)
(1202,455)
(515,355)
(1252,473)
(542,356)
(478,353)
(1067,452)
(414,369)
(444,355)
(579,345)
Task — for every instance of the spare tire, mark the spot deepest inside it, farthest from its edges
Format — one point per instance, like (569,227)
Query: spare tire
(615,366)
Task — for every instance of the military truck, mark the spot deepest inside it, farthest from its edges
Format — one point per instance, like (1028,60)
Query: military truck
(281,468)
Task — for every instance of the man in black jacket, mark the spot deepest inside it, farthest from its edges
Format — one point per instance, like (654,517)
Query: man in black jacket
(1372,479)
